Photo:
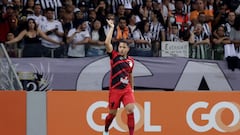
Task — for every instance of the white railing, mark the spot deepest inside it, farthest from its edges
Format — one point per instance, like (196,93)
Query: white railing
(8,77)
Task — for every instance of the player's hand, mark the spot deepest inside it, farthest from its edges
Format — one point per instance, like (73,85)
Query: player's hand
(110,23)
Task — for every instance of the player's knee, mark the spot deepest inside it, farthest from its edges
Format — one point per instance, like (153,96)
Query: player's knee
(113,111)
(130,108)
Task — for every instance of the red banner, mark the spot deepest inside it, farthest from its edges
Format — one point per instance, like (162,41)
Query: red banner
(165,113)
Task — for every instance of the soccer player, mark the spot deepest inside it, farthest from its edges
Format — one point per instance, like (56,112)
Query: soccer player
(121,81)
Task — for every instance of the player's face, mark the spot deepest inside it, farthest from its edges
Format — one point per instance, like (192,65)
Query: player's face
(123,49)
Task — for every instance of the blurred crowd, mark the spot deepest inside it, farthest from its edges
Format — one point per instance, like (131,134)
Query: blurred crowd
(78,28)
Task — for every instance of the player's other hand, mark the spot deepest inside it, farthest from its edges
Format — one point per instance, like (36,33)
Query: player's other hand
(110,23)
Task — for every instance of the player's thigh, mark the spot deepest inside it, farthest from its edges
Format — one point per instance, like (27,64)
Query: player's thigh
(128,98)
(114,100)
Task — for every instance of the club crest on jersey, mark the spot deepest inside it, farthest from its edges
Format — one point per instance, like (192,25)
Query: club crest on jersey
(130,63)
(124,80)
(121,58)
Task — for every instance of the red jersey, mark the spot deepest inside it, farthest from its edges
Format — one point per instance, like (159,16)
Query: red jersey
(121,68)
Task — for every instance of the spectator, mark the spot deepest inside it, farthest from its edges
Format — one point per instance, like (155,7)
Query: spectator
(201,8)
(91,19)
(181,18)
(37,15)
(13,23)
(78,15)
(4,2)
(174,33)
(132,25)
(106,27)
(4,21)
(132,22)
(218,43)
(201,47)
(31,38)
(68,17)
(146,10)
(13,48)
(142,37)
(230,22)
(116,3)
(170,5)
(235,33)
(159,6)
(138,2)
(77,38)
(82,5)
(121,32)
(193,5)
(53,28)
(61,13)
(185,33)
(128,9)
(93,4)
(120,13)
(157,30)
(136,12)
(206,28)
(10,9)
(101,12)
(220,14)
(187,7)
(27,9)
(233,4)
(96,45)
(55,4)
(101,6)
(18,5)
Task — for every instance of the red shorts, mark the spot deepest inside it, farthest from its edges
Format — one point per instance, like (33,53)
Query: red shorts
(117,96)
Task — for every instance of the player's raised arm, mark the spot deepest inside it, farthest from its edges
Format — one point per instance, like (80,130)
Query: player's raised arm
(108,40)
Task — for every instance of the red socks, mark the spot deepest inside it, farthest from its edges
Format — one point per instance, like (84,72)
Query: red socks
(108,121)
(131,123)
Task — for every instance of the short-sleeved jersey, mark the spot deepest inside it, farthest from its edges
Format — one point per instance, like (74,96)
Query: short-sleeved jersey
(121,68)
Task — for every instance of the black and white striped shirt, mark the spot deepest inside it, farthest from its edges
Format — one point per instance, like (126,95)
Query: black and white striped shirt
(207,29)
(156,30)
(138,2)
(48,4)
(146,36)
(115,4)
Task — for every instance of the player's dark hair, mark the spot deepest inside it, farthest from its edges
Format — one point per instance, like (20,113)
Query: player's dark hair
(124,41)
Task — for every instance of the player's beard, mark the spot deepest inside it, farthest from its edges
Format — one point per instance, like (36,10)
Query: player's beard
(121,52)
